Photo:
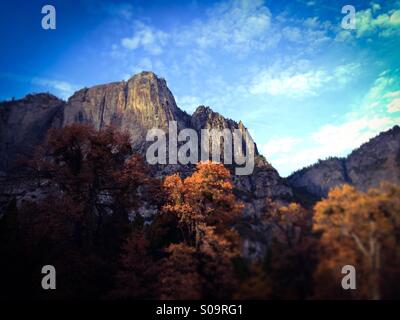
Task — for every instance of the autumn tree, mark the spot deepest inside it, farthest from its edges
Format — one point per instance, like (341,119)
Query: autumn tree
(180,278)
(204,198)
(137,276)
(216,253)
(359,229)
(90,183)
(290,259)
(205,209)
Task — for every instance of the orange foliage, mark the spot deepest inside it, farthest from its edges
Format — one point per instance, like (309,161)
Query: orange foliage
(206,209)
(206,197)
(359,229)
(216,253)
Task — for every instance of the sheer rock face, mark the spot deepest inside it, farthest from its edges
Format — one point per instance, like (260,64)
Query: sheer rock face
(374,162)
(137,105)
(24,124)
(145,102)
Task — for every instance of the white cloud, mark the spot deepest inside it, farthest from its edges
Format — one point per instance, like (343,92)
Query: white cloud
(392,94)
(296,82)
(385,24)
(294,34)
(394,106)
(349,135)
(375,7)
(309,31)
(276,146)
(345,73)
(240,27)
(332,140)
(379,98)
(146,37)
(235,25)
(371,22)
(288,83)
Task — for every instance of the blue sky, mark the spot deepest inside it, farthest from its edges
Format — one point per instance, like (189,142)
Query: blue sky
(305,87)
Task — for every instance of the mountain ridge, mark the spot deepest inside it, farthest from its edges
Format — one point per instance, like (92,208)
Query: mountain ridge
(144,101)
(141,103)
(374,161)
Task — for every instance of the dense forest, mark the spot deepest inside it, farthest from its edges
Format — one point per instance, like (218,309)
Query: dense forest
(87,224)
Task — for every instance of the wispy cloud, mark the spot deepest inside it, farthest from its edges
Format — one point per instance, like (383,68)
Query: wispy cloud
(63,89)
(146,37)
(280,146)
(237,25)
(394,106)
(384,90)
(298,80)
(373,22)
(384,24)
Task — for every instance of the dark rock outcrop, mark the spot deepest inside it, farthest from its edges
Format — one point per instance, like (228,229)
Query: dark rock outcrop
(376,161)
(24,124)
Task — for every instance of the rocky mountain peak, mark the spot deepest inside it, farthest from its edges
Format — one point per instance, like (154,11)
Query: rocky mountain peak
(137,105)
(141,103)
(204,117)
(202,110)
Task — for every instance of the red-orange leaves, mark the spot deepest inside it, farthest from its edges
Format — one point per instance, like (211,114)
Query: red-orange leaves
(206,197)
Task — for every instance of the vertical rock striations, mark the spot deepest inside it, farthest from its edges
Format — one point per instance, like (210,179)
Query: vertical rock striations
(137,105)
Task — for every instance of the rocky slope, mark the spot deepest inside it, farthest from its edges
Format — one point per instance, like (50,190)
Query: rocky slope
(375,161)
(137,105)
(23,125)
(145,102)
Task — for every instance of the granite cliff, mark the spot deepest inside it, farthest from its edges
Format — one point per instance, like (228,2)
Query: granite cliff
(135,106)
(144,102)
